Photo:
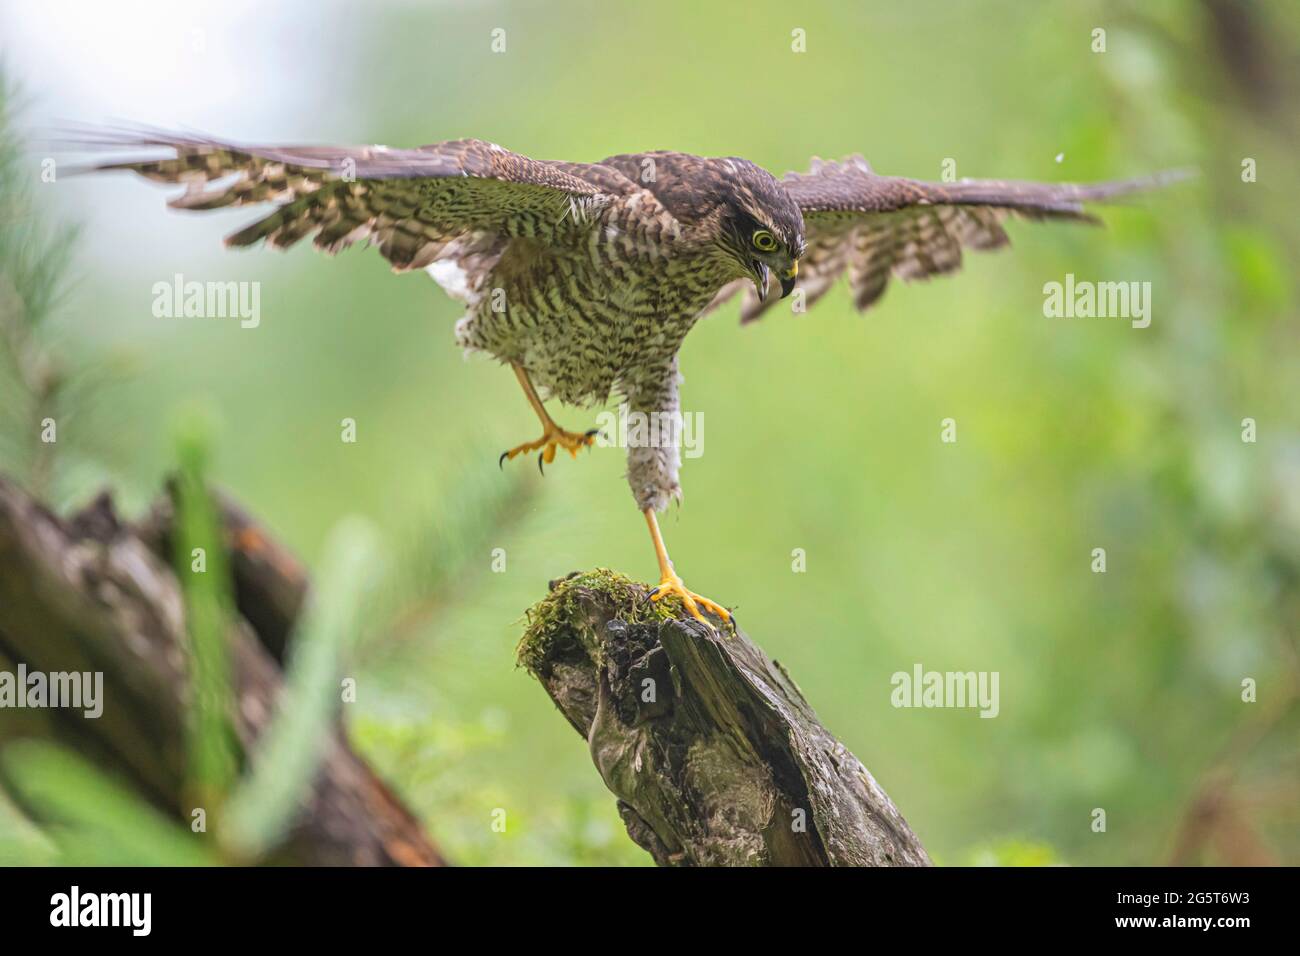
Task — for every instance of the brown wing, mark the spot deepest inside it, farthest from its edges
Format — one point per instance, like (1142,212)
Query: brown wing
(872,227)
(460,200)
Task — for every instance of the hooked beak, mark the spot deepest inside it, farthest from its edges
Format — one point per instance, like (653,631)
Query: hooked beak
(760,282)
(787,280)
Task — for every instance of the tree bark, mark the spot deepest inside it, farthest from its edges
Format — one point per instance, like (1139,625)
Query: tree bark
(714,755)
(93,594)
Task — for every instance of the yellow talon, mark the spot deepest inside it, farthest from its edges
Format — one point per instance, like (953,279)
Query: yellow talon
(552,439)
(690,600)
(553,436)
(670,583)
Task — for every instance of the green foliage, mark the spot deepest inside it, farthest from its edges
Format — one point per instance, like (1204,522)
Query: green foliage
(202,569)
(253,813)
(284,766)
(21,842)
(91,818)
(1011,853)
(34,256)
(34,259)
(52,427)
(453,765)
(440,551)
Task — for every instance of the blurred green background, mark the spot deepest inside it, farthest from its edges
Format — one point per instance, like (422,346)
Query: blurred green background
(1119,691)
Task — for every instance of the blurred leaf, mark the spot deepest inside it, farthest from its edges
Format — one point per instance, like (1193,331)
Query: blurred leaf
(90,817)
(285,762)
(202,569)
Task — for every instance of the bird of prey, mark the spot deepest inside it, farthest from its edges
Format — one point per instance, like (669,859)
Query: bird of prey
(584,278)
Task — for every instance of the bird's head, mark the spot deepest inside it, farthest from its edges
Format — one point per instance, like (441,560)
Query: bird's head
(762,227)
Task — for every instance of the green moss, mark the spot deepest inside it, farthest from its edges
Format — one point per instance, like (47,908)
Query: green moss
(561,611)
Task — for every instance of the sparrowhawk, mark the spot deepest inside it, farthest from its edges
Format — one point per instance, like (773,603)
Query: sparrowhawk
(584,278)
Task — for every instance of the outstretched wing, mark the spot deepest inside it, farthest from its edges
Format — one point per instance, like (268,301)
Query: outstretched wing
(872,227)
(462,200)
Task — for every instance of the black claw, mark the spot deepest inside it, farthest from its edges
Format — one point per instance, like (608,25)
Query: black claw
(653,591)
(501,462)
(540,459)
(592,431)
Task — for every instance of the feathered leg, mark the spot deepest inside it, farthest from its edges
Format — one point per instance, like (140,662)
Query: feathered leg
(653,460)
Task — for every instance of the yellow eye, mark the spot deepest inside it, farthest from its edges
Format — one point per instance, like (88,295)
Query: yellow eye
(764,241)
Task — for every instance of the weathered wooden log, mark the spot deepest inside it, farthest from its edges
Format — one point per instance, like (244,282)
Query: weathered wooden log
(93,594)
(713,753)
(270,584)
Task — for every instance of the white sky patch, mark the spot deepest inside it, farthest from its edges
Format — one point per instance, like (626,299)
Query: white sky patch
(199,64)
(243,69)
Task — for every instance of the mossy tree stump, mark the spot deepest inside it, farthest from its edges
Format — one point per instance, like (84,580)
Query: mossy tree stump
(712,751)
